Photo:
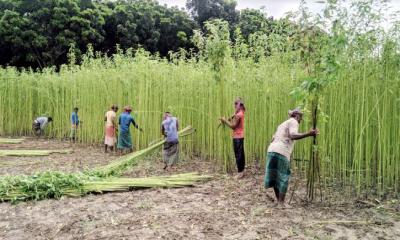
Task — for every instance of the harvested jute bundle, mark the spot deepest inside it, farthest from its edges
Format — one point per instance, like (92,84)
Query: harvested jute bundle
(23,152)
(49,185)
(11,140)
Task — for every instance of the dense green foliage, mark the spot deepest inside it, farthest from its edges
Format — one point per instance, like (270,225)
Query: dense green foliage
(204,10)
(37,187)
(39,33)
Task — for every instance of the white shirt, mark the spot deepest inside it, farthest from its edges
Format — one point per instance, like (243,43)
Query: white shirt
(282,144)
(42,121)
(110,116)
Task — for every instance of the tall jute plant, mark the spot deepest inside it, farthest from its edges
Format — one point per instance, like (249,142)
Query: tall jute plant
(217,52)
(319,53)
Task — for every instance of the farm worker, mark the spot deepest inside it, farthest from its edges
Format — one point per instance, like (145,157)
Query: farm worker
(124,137)
(169,129)
(111,126)
(277,172)
(40,123)
(236,123)
(74,124)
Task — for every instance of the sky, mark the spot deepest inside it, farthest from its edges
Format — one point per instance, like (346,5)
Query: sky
(277,8)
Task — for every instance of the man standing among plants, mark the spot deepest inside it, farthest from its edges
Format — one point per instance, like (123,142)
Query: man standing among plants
(169,129)
(277,172)
(124,137)
(110,129)
(39,124)
(236,123)
(74,124)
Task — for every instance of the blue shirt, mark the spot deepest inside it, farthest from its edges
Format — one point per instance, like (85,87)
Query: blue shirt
(74,118)
(170,129)
(125,119)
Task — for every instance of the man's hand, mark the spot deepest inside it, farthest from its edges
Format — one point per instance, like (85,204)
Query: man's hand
(313,132)
(222,120)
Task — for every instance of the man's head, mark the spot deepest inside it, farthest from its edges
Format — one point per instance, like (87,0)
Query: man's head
(166,115)
(239,104)
(76,109)
(114,108)
(296,114)
(49,119)
(128,109)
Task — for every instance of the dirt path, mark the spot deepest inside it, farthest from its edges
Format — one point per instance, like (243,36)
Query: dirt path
(224,208)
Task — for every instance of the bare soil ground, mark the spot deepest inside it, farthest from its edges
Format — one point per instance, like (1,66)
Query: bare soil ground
(224,208)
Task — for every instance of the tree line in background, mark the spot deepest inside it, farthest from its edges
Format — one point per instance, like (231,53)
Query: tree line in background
(40,33)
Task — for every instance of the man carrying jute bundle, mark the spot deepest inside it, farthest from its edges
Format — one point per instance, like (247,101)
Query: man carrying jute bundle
(169,129)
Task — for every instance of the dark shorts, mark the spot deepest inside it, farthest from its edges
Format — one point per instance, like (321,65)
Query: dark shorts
(36,127)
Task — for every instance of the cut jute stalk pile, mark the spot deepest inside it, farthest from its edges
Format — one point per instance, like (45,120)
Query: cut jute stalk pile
(99,180)
(56,184)
(23,153)
(11,140)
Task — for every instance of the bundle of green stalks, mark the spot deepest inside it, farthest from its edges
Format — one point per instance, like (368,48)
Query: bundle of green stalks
(11,140)
(119,166)
(56,184)
(37,187)
(125,184)
(23,153)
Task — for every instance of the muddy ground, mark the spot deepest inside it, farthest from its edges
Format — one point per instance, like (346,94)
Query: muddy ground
(224,208)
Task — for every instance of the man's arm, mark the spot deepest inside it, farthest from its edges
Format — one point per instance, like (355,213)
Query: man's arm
(135,125)
(163,131)
(233,123)
(297,136)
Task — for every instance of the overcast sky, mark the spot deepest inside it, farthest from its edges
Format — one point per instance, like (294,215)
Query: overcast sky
(276,8)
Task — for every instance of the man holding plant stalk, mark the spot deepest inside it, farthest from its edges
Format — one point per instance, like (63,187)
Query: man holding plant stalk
(124,137)
(277,172)
(236,123)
